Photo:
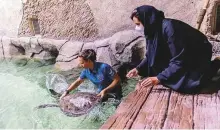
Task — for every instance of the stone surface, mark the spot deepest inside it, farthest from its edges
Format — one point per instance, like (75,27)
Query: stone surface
(25,45)
(215,49)
(208,22)
(102,43)
(89,45)
(123,47)
(122,39)
(6,42)
(44,55)
(69,50)
(113,16)
(60,19)
(123,50)
(51,44)
(90,20)
(64,66)
(104,54)
(35,46)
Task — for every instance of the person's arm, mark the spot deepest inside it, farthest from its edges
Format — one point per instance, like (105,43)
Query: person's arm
(110,73)
(177,50)
(74,85)
(114,83)
(139,70)
(142,64)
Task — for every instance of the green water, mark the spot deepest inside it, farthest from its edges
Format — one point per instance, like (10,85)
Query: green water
(23,88)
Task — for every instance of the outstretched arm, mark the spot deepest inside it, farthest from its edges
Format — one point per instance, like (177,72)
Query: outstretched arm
(114,83)
(176,45)
(74,85)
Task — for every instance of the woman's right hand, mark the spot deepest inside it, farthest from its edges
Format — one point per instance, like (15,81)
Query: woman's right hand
(132,73)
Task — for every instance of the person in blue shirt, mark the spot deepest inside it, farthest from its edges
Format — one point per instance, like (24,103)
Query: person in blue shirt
(178,56)
(100,74)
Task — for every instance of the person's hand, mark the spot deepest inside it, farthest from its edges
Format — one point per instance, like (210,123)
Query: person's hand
(150,81)
(132,73)
(102,93)
(64,94)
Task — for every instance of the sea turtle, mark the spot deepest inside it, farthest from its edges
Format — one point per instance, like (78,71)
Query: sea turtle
(76,104)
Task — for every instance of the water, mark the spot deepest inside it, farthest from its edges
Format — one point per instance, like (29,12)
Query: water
(23,88)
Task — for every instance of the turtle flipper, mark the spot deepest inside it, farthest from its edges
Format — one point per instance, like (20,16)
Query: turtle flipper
(47,105)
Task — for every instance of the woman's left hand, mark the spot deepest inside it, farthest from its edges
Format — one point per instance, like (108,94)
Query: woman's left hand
(102,93)
(150,81)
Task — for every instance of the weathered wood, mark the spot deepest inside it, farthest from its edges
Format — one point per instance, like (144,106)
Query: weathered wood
(180,112)
(161,108)
(128,110)
(202,14)
(153,112)
(207,111)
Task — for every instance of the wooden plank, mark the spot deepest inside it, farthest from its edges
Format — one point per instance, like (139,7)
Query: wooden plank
(207,111)
(161,108)
(128,109)
(180,112)
(152,114)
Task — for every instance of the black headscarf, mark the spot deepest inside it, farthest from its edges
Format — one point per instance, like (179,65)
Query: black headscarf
(152,19)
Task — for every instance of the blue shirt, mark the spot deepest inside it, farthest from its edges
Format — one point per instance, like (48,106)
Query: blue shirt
(102,75)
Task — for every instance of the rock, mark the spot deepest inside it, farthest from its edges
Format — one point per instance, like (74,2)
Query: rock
(65,66)
(105,55)
(69,50)
(124,44)
(8,48)
(35,46)
(49,44)
(102,43)
(25,45)
(121,49)
(89,45)
(215,49)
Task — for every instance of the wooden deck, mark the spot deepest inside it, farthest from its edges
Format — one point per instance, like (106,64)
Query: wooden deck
(160,108)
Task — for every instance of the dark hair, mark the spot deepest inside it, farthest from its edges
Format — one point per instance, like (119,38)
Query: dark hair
(134,13)
(88,54)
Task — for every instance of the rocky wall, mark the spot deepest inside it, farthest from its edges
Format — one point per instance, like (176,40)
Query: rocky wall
(89,20)
(124,47)
(208,23)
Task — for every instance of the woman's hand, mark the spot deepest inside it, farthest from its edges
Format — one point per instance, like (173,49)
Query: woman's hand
(102,93)
(132,73)
(150,81)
